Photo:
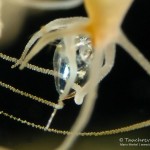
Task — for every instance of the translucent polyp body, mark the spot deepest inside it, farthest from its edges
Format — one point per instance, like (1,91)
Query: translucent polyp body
(84,53)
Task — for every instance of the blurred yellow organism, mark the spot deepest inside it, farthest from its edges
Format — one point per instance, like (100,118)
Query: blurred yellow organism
(100,32)
(22,8)
(104,29)
(1,25)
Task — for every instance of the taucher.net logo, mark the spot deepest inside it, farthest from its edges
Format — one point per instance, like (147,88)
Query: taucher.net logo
(134,142)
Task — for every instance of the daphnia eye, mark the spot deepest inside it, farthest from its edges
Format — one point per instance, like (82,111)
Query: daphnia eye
(84,54)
